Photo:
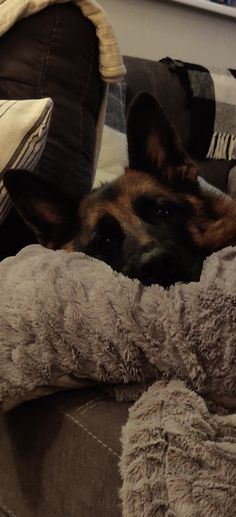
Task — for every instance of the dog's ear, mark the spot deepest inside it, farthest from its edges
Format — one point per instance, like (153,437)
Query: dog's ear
(47,211)
(153,145)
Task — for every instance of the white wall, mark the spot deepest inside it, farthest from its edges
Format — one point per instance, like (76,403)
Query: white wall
(160,28)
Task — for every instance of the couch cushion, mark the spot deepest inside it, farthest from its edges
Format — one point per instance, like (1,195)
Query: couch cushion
(54,53)
(60,456)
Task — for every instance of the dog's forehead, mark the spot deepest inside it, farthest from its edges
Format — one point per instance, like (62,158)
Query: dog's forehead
(117,199)
(118,196)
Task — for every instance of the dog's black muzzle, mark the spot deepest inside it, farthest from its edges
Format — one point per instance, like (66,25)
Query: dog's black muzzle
(165,265)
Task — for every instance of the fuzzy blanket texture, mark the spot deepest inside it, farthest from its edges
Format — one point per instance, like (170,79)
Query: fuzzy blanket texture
(178,459)
(67,320)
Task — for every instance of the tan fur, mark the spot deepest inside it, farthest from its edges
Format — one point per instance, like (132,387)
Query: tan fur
(154,144)
(45,209)
(132,185)
(69,246)
(219,232)
(208,233)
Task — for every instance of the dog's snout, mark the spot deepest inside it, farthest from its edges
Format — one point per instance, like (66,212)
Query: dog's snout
(150,246)
(157,266)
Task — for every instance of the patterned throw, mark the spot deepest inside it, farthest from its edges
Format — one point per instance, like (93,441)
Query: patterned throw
(211,94)
(22,143)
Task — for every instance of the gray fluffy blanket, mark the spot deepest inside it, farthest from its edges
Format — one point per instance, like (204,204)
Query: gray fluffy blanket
(178,459)
(67,320)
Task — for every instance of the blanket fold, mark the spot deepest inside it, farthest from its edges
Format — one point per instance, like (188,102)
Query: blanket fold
(52,325)
(67,320)
(178,459)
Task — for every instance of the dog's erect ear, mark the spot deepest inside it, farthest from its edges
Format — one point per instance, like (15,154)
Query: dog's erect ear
(153,145)
(51,215)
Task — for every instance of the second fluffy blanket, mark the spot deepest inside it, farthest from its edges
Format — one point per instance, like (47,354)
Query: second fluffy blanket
(68,316)
(178,459)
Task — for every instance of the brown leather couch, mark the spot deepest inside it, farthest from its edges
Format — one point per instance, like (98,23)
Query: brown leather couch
(59,456)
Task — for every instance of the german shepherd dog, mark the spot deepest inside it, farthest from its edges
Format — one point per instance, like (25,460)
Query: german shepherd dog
(154,223)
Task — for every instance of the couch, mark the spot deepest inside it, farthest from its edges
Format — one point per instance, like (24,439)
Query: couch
(59,455)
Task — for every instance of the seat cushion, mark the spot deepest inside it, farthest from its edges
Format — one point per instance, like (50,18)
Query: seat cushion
(60,456)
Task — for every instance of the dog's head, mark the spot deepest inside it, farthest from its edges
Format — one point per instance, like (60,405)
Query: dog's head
(153,223)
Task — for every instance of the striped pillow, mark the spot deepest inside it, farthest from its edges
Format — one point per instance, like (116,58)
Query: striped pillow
(24,126)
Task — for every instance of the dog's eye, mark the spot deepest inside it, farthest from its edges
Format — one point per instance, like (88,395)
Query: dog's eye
(106,241)
(163,212)
(108,234)
(151,209)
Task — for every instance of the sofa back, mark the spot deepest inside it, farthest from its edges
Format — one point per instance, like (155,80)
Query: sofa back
(159,79)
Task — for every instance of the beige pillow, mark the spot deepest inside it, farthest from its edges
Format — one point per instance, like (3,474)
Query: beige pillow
(24,126)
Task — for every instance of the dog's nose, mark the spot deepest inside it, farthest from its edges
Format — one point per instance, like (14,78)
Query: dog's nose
(158,267)
(149,246)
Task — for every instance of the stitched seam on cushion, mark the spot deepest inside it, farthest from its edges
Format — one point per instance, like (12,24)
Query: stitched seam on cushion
(86,404)
(85,93)
(46,57)
(98,440)
(6,510)
(91,407)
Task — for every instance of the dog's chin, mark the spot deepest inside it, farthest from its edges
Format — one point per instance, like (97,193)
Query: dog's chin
(165,265)
(166,281)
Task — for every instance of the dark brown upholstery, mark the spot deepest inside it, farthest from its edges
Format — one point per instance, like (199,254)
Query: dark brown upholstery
(55,54)
(59,456)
